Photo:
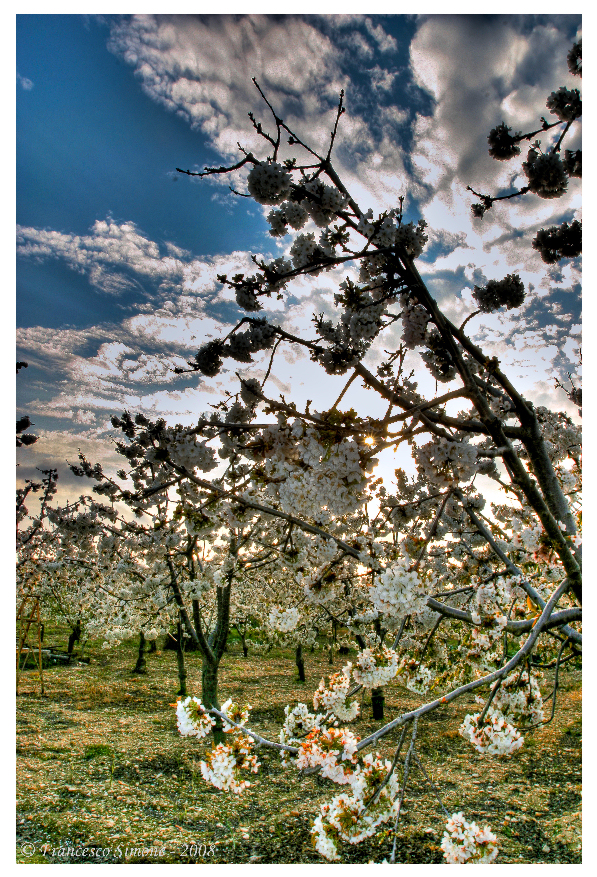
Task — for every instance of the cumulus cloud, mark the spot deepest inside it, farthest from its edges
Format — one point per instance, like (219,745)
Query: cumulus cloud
(481,70)
(109,245)
(201,67)
(475,72)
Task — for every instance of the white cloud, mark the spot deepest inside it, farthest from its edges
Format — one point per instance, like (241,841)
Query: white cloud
(103,254)
(202,70)
(25,83)
(385,42)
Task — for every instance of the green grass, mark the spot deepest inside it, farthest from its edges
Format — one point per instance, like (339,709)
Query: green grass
(97,750)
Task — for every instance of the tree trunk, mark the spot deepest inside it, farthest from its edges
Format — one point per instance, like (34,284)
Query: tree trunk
(377,702)
(360,641)
(182,670)
(153,646)
(209,696)
(211,659)
(333,642)
(300,663)
(243,640)
(74,637)
(141,665)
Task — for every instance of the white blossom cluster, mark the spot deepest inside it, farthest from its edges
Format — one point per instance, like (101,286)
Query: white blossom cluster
(225,762)
(545,174)
(487,613)
(322,204)
(502,144)
(240,346)
(418,679)
(366,224)
(277,220)
(325,201)
(414,325)
(438,358)
(78,523)
(250,388)
(276,271)
(412,237)
(560,435)
(334,750)
(464,843)
(364,324)
(518,699)
(303,249)
(486,636)
(284,620)
(495,737)
(113,636)
(269,182)
(331,482)
(561,241)
(295,215)
(501,406)
(236,713)
(568,480)
(489,595)
(191,718)
(333,697)
(186,451)
(298,723)
(350,338)
(384,232)
(317,552)
(204,581)
(508,292)
(371,267)
(526,538)
(445,463)
(375,667)
(565,103)
(398,592)
(353,817)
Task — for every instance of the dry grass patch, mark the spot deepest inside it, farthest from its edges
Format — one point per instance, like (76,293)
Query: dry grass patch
(100,764)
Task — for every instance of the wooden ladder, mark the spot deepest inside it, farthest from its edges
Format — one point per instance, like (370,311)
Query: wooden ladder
(29,617)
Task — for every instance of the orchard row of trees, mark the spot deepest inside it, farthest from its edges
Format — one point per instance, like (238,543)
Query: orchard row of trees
(271,515)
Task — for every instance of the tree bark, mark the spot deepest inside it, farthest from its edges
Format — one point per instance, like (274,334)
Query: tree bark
(377,702)
(209,696)
(182,670)
(241,632)
(141,665)
(300,663)
(74,637)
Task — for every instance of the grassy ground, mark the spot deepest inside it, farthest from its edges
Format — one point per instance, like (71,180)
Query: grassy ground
(101,766)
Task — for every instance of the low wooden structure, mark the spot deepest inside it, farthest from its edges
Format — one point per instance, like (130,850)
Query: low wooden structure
(29,623)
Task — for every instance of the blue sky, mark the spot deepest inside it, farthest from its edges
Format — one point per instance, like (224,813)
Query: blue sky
(117,255)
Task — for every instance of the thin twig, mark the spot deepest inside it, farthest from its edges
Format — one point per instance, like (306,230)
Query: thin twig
(431,783)
(376,794)
(494,691)
(403,789)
